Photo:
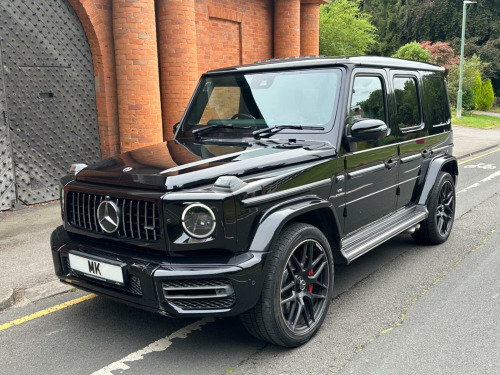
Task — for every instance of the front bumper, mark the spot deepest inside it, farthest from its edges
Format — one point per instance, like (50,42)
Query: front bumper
(195,287)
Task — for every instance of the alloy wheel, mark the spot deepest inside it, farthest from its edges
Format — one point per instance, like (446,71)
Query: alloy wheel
(304,287)
(445,209)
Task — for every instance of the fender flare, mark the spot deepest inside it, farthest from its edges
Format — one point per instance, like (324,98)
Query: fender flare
(435,167)
(273,221)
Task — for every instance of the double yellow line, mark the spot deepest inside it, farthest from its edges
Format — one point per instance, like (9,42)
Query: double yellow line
(44,312)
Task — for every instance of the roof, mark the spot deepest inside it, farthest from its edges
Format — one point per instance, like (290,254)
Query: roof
(322,61)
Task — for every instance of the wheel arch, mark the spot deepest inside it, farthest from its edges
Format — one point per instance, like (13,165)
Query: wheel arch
(314,211)
(446,163)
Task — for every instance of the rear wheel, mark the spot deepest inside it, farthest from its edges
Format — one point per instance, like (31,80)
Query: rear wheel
(437,227)
(297,290)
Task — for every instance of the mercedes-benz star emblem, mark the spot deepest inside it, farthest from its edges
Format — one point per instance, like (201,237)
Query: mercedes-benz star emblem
(109,216)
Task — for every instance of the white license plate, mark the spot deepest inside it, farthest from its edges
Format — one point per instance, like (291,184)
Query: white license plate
(96,268)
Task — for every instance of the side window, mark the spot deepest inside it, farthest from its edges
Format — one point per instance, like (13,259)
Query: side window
(435,101)
(407,103)
(367,99)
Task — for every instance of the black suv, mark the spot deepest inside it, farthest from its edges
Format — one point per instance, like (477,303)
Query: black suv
(277,170)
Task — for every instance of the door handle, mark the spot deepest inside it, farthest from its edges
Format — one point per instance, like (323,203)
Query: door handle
(390,163)
(426,153)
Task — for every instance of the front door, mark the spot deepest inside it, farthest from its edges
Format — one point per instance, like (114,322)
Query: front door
(371,166)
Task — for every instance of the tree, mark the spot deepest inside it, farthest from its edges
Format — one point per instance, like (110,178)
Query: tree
(477,88)
(441,54)
(487,96)
(472,67)
(387,15)
(344,29)
(413,51)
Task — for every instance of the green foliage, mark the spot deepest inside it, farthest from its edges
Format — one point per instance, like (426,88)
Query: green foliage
(471,67)
(469,100)
(344,29)
(413,51)
(387,17)
(485,101)
(477,87)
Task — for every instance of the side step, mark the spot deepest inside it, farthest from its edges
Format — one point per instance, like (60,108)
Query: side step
(360,242)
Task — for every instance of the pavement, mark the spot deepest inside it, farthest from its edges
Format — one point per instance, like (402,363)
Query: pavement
(28,274)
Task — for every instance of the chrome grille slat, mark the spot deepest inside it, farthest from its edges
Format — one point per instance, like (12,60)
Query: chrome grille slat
(140,220)
(78,209)
(83,211)
(123,219)
(146,219)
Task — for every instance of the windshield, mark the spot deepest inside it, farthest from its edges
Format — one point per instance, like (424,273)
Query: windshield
(247,102)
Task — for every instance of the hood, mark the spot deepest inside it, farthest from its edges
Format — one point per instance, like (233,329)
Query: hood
(174,165)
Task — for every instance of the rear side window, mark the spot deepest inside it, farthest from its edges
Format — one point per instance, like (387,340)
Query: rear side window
(367,99)
(407,103)
(435,101)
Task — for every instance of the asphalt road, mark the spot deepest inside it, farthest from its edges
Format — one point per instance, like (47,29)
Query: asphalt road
(400,309)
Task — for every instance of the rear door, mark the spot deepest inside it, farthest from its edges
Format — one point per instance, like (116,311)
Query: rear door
(371,166)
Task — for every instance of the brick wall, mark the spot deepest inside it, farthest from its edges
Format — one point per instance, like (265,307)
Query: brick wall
(145,80)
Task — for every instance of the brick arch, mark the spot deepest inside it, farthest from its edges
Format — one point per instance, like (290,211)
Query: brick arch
(96,19)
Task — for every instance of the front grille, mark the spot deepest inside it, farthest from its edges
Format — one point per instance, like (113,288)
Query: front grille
(199,294)
(138,220)
(132,286)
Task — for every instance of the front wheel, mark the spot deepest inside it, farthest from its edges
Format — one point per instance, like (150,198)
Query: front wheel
(437,227)
(297,289)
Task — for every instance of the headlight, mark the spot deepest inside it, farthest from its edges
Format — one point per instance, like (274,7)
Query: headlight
(198,220)
(61,197)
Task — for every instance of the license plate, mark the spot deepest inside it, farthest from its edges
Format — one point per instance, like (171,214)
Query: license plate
(95,267)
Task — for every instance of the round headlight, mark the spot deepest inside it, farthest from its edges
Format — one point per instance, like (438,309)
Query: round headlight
(198,220)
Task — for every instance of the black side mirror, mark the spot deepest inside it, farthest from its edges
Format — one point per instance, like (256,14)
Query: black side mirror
(369,130)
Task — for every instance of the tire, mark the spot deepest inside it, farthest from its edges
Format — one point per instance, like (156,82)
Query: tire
(297,288)
(437,227)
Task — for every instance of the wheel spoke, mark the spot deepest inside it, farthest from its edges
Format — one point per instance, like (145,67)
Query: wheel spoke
(317,260)
(318,271)
(310,255)
(440,224)
(292,298)
(294,259)
(298,313)
(288,287)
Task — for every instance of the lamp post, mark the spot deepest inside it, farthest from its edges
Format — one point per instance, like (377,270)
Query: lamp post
(459,99)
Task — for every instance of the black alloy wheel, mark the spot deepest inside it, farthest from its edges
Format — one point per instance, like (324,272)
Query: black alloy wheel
(445,209)
(304,286)
(297,288)
(441,206)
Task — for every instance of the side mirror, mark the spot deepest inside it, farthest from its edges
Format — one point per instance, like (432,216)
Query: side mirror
(369,130)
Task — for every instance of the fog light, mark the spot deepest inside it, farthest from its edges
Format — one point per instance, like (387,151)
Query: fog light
(198,220)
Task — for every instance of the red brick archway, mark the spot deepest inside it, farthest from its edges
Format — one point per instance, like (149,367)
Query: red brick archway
(96,19)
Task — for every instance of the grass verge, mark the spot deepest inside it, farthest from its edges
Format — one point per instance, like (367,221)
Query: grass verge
(477,121)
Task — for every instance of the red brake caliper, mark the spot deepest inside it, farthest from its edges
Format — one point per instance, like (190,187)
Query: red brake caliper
(310,287)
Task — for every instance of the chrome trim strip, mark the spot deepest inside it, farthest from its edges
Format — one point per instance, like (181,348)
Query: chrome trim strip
(209,160)
(285,193)
(130,217)
(364,171)
(224,291)
(146,220)
(123,218)
(439,149)
(154,221)
(410,158)
(138,219)
(369,195)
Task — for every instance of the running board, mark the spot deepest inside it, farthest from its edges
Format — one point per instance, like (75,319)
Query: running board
(359,243)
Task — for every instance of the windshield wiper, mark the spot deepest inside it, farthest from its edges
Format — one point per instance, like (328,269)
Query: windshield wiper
(267,132)
(197,132)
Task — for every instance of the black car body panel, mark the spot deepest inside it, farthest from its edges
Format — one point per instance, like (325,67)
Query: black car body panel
(359,190)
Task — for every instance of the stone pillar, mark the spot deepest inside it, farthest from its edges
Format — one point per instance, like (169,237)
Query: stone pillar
(309,28)
(286,28)
(178,59)
(138,86)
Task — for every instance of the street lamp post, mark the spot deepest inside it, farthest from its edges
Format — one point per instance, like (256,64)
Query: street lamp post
(459,99)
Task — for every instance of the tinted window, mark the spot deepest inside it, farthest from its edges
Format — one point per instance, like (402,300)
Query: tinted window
(407,107)
(367,99)
(435,101)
